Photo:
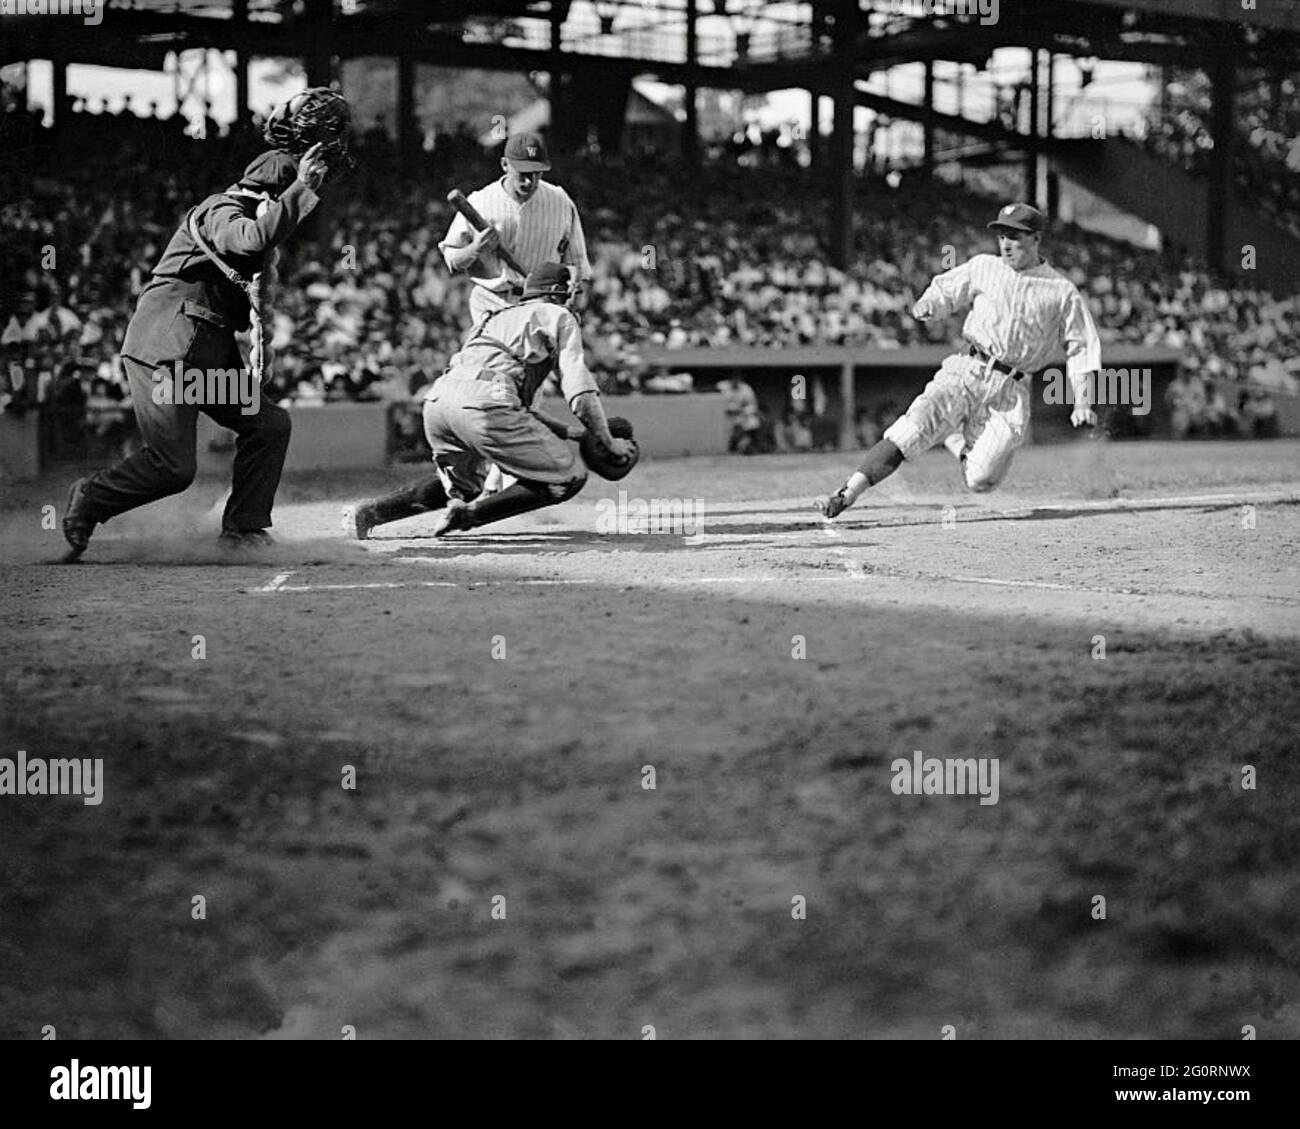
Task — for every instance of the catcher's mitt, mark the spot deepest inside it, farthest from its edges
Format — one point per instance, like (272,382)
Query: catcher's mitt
(317,114)
(598,458)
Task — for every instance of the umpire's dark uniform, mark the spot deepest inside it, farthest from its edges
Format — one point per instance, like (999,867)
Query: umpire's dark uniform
(190,311)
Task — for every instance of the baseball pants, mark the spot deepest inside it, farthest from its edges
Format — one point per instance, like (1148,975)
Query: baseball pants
(482,302)
(989,408)
(471,424)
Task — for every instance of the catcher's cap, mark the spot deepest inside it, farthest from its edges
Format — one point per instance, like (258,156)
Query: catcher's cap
(1020,217)
(526,152)
(272,171)
(550,279)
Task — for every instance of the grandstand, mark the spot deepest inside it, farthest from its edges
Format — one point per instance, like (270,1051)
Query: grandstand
(781,242)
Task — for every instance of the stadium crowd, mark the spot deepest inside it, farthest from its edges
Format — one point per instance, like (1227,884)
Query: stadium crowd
(368,311)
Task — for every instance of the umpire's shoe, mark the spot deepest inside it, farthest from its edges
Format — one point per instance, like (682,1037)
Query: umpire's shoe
(235,541)
(78,524)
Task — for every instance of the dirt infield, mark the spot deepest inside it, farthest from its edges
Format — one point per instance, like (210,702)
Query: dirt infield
(1118,628)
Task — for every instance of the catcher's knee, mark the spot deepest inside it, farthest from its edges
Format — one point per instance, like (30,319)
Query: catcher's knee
(557,492)
(551,493)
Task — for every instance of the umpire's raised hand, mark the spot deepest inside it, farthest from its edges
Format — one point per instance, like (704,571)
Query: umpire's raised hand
(314,168)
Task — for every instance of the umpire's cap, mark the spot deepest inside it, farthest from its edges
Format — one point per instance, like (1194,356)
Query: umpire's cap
(272,172)
(526,152)
(1020,217)
(550,280)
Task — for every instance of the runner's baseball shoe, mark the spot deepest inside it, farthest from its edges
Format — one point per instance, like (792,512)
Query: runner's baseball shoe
(77,522)
(833,505)
(358,521)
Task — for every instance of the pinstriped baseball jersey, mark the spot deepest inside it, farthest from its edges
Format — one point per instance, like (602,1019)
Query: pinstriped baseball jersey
(544,229)
(1019,317)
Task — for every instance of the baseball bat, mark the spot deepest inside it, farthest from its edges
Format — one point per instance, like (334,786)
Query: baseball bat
(456,198)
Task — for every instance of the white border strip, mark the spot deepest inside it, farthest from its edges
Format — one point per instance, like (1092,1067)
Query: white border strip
(1239,499)
(853,572)
(275,583)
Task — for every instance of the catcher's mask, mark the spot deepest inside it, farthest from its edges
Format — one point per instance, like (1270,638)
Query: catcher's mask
(552,281)
(317,114)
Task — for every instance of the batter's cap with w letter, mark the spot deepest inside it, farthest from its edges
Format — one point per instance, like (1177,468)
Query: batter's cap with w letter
(526,152)
(1019,217)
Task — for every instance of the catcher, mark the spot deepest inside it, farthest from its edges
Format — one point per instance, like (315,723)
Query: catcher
(476,414)
(213,281)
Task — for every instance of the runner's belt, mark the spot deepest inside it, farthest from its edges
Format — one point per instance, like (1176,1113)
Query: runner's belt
(514,290)
(995,364)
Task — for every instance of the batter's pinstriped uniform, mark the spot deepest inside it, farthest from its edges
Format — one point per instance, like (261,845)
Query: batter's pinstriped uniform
(545,228)
(1019,318)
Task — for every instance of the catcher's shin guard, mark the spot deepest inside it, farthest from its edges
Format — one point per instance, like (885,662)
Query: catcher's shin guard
(418,498)
(521,498)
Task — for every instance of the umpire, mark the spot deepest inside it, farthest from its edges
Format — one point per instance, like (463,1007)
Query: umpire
(204,289)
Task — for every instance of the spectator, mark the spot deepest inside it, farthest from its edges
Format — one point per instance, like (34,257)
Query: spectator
(865,430)
(1221,419)
(796,435)
(1259,411)
(741,407)
(1185,399)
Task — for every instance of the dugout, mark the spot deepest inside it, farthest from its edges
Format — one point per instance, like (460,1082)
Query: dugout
(881,381)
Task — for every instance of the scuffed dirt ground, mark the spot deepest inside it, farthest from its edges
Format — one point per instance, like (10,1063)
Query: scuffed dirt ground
(520,776)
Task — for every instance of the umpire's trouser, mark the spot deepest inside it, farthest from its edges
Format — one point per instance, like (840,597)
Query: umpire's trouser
(165,464)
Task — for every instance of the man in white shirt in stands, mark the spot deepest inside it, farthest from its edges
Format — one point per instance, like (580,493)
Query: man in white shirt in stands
(1022,312)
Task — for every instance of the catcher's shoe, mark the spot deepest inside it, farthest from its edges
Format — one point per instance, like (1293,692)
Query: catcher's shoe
(455,517)
(358,521)
(833,505)
(235,541)
(77,522)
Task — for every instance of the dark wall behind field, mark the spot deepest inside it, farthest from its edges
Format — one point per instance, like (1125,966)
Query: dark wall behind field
(884,390)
